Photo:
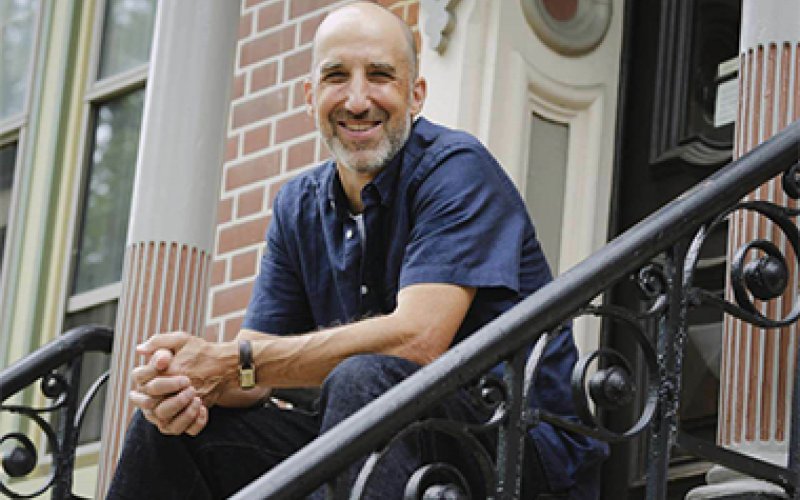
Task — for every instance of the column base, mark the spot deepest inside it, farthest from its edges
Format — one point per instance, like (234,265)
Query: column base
(725,484)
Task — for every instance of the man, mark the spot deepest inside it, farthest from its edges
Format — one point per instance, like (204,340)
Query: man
(409,241)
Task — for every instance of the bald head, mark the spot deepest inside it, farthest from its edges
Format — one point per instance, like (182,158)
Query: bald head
(365,14)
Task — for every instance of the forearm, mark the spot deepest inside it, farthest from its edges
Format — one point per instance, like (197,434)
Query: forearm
(420,329)
(305,360)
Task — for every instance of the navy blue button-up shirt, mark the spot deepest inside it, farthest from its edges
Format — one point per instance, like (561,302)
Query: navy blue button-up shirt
(442,211)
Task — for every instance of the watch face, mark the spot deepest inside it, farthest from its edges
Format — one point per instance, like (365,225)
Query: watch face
(247,373)
(247,378)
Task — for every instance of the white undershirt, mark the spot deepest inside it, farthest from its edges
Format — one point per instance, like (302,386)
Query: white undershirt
(362,231)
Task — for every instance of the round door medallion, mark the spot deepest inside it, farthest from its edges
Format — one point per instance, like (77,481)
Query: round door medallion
(570,27)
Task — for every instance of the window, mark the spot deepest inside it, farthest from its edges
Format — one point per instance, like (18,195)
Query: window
(115,99)
(18,30)
(8,157)
(17,33)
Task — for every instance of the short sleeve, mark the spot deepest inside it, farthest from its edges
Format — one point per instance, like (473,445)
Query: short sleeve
(278,304)
(468,225)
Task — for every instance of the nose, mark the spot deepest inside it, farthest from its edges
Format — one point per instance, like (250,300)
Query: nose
(358,101)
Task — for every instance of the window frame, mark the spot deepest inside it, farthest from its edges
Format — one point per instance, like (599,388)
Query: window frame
(96,92)
(13,129)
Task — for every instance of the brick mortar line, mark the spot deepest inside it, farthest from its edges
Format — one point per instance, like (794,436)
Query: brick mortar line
(285,145)
(238,252)
(264,121)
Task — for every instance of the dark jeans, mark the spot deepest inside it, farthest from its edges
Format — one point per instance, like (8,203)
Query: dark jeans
(239,445)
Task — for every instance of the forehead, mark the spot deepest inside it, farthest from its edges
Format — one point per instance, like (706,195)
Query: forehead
(347,37)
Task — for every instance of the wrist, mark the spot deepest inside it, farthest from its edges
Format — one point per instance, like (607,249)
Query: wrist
(226,355)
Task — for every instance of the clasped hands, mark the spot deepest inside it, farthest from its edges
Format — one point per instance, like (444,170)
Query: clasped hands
(182,377)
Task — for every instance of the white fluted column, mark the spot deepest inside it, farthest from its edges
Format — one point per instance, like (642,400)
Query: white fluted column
(170,238)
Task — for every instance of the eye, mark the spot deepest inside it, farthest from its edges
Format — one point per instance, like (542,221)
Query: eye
(334,77)
(381,76)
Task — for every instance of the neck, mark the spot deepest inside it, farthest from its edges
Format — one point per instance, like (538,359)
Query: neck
(352,183)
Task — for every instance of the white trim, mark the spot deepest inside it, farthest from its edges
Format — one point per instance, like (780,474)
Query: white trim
(12,124)
(85,300)
(119,84)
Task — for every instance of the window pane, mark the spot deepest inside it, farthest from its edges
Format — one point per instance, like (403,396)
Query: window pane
(546,181)
(8,156)
(107,201)
(127,35)
(17,24)
(94,365)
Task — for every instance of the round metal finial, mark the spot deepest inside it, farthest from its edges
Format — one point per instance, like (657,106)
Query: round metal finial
(612,388)
(791,182)
(766,277)
(53,385)
(20,460)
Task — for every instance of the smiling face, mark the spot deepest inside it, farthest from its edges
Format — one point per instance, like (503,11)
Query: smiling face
(363,93)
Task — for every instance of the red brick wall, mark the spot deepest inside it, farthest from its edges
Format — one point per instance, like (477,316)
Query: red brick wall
(270,139)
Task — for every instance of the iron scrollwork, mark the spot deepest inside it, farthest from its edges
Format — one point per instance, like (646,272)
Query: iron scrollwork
(764,277)
(604,379)
(60,420)
(441,479)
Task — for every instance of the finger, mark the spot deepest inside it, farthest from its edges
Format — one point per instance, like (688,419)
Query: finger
(143,374)
(161,359)
(170,407)
(164,385)
(172,341)
(199,423)
(185,419)
(142,400)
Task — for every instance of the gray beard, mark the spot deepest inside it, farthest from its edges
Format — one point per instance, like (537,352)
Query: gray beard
(386,150)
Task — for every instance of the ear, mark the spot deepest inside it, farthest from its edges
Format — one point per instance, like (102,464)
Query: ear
(308,89)
(418,93)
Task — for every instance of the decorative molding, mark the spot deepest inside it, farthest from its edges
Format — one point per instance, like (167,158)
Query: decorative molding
(695,36)
(572,37)
(441,22)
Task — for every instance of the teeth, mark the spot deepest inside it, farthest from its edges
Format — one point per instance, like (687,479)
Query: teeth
(359,127)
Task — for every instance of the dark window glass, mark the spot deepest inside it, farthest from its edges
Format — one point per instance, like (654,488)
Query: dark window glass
(107,201)
(8,157)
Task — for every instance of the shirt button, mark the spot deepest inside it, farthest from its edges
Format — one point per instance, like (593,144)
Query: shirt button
(364,290)
(348,234)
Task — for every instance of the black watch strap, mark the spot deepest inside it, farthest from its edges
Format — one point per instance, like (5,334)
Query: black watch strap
(247,372)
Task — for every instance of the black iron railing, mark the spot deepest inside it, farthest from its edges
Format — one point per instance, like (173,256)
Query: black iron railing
(57,366)
(662,253)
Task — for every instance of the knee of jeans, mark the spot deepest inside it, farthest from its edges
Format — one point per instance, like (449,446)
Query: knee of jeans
(367,375)
(138,421)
